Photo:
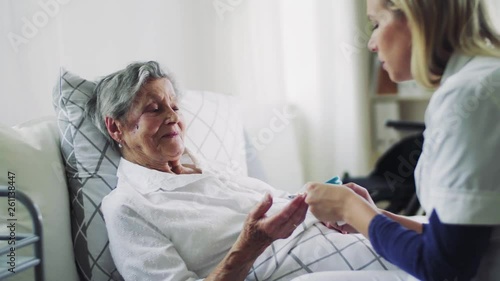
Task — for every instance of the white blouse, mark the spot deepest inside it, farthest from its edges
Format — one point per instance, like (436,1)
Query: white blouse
(148,214)
(458,172)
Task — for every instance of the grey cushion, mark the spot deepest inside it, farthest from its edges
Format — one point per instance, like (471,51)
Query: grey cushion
(91,173)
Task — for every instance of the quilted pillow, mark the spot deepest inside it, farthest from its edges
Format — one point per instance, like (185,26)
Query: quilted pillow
(214,131)
(91,174)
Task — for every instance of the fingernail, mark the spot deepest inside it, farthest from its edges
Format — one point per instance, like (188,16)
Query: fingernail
(266,196)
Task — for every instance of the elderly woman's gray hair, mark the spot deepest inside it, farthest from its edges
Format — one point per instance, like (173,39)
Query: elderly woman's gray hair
(114,94)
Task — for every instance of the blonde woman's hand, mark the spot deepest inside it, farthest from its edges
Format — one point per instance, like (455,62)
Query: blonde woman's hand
(327,201)
(361,191)
(344,228)
(332,203)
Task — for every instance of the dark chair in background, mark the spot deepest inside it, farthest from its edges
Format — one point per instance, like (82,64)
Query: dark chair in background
(393,179)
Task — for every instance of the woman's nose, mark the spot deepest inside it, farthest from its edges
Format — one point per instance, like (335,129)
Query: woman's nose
(372,46)
(171,117)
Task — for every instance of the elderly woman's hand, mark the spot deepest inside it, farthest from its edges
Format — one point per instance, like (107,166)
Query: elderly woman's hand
(258,233)
(260,230)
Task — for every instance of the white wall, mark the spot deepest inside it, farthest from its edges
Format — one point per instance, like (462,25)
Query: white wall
(190,37)
(495,12)
(26,76)
(94,38)
(269,52)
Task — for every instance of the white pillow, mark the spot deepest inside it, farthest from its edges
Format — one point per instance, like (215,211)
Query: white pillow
(214,128)
(31,152)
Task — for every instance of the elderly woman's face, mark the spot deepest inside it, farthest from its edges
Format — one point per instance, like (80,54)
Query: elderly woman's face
(153,133)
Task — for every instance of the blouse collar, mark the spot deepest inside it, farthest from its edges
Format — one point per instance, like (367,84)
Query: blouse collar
(146,180)
(455,64)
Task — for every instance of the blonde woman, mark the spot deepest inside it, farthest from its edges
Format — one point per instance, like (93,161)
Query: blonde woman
(451,46)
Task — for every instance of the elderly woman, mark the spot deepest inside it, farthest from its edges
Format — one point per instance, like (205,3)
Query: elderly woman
(173,217)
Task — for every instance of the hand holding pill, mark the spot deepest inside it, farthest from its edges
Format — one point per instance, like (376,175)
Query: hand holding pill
(335,180)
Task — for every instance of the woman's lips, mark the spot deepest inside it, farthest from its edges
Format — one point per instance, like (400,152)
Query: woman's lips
(171,135)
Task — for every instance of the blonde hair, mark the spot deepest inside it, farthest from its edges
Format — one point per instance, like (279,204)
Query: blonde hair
(440,28)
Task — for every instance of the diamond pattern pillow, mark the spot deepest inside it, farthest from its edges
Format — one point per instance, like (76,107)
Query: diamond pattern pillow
(214,131)
(91,174)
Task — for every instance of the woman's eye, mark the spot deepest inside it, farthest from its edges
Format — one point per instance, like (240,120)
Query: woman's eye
(175,108)
(153,109)
(374,26)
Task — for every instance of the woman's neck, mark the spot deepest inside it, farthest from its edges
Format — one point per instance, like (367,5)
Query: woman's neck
(169,166)
(185,169)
